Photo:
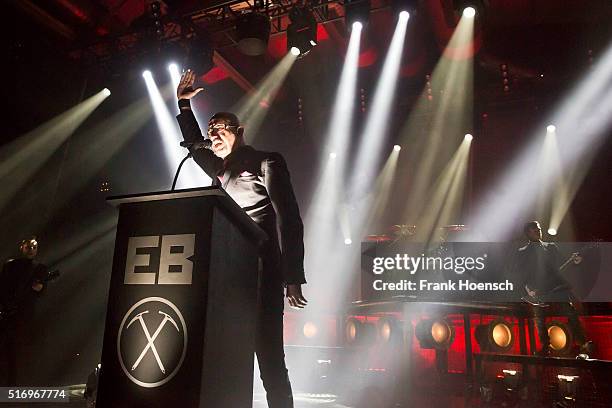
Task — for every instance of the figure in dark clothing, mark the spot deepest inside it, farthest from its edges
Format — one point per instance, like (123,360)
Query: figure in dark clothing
(21,281)
(540,262)
(259,182)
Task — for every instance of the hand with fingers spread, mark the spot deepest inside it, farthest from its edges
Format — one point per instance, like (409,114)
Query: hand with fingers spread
(185,87)
(294,296)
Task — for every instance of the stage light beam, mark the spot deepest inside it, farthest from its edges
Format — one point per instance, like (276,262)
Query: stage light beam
(192,175)
(585,114)
(23,157)
(253,108)
(368,154)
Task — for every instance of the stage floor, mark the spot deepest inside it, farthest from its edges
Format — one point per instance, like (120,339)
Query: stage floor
(303,400)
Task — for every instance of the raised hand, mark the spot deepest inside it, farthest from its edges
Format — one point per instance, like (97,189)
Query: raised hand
(185,87)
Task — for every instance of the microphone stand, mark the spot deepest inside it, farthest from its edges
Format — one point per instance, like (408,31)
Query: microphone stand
(178,170)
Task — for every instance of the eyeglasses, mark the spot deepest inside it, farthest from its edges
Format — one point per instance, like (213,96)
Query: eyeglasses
(214,128)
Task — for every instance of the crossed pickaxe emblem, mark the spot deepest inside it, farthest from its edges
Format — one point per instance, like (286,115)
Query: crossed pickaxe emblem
(151,339)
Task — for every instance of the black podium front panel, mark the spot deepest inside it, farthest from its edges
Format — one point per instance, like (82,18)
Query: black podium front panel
(181,312)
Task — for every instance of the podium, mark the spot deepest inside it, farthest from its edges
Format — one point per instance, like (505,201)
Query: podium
(180,322)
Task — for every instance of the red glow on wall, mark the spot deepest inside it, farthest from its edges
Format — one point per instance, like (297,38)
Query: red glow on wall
(413,67)
(76,11)
(368,57)
(277,46)
(102,31)
(322,34)
(216,74)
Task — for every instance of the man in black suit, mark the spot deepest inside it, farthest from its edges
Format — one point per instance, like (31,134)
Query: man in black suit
(539,263)
(259,182)
(21,281)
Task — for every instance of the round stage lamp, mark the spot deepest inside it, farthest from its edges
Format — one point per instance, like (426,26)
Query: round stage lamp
(434,334)
(357,333)
(469,12)
(310,330)
(253,33)
(351,330)
(560,338)
(495,336)
(388,330)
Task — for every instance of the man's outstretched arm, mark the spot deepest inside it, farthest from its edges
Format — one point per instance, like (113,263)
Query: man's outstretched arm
(190,129)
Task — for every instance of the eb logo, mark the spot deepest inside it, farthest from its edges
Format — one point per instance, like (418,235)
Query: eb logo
(175,266)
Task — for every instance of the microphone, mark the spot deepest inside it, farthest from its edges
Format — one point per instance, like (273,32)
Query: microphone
(203,144)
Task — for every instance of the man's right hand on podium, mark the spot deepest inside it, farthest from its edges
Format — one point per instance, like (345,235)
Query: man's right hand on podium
(185,87)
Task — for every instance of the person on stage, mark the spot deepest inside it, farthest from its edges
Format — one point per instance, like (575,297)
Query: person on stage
(259,182)
(21,280)
(540,263)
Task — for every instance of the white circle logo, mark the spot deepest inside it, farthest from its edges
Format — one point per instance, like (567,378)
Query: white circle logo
(152,342)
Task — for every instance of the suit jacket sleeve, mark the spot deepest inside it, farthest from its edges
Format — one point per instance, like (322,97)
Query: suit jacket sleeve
(191,132)
(280,191)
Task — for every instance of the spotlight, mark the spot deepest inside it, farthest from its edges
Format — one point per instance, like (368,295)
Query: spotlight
(495,336)
(560,337)
(397,148)
(468,137)
(356,11)
(332,155)
(173,67)
(469,12)
(388,330)
(310,330)
(351,330)
(552,231)
(348,241)
(404,8)
(302,31)
(357,25)
(358,333)
(469,8)
(147,74)
(253,33)
(550,128)
(295,51)
(434,334)
(106,92)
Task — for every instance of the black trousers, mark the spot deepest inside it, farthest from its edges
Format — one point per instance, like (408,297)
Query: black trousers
(269,345)
(563,309)
(8,353)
